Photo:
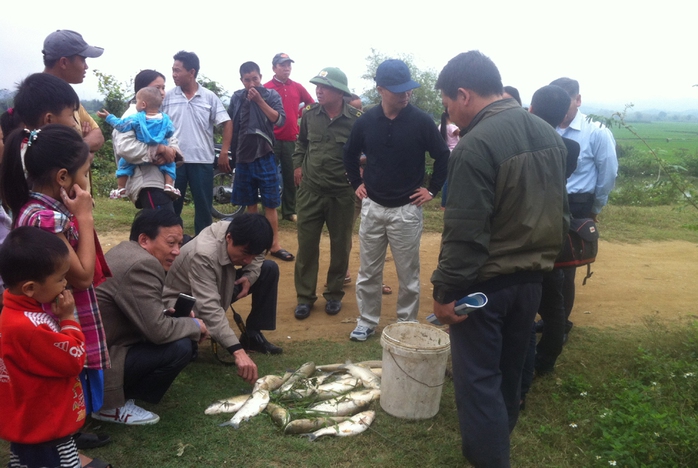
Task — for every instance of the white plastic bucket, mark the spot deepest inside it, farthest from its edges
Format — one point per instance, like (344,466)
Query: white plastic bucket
(414,368)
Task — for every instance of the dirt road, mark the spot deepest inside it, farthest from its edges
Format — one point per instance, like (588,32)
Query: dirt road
(630,283)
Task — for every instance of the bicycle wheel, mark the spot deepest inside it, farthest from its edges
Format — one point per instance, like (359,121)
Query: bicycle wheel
(222,191)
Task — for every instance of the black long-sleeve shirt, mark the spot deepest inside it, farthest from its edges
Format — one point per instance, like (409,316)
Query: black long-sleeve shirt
(395,154)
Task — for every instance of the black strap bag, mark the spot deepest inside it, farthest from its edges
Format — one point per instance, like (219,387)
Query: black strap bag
(580,246)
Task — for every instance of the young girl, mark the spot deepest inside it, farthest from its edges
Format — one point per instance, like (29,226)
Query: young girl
(43,181)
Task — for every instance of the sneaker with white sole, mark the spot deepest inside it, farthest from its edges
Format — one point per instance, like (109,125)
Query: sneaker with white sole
(361,333)
(129,414)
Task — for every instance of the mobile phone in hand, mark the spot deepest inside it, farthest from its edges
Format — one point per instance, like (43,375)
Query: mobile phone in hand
(184,305)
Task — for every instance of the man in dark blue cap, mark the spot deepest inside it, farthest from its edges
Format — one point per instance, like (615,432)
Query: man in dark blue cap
(395,137)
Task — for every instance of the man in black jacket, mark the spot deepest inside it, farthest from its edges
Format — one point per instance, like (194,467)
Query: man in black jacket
(394,136)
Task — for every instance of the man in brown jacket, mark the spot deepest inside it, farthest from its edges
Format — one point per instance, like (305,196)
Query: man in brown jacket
(148,348)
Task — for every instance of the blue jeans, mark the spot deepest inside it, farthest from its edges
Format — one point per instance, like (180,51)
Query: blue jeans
(199,178)
(488,356)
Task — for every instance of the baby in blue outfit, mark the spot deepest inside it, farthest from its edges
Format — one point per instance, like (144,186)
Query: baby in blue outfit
(152,128)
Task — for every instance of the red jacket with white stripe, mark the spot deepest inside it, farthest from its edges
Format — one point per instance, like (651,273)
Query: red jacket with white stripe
(41,397)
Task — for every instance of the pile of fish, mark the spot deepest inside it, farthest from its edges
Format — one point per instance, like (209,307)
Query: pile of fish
(312,401)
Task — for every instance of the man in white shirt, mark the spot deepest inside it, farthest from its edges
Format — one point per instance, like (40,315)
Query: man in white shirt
(195,110)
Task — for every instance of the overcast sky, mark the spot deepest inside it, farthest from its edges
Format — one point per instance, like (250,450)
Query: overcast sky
(620,51)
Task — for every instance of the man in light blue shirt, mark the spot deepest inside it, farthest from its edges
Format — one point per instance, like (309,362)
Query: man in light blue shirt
(195,110)
(590,184)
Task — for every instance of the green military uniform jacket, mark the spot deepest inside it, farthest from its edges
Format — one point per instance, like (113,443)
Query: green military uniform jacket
(319,150)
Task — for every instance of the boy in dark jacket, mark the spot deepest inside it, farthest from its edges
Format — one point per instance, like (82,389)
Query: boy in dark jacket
(255,111)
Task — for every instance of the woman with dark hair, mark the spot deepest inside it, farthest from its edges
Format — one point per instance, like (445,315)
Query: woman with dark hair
(146,187)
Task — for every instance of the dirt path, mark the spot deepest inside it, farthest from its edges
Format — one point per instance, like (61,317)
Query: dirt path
(630,283)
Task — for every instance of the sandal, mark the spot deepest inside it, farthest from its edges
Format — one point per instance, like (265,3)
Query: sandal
(283,254)
(172,191)
(117,193)
(86,440)
(387,289)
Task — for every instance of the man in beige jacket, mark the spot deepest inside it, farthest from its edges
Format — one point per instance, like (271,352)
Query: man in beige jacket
(206,270)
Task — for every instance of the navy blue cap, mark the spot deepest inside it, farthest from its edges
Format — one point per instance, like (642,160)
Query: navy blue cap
(394,76)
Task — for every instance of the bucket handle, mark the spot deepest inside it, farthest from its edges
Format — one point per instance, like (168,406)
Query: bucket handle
(408,375)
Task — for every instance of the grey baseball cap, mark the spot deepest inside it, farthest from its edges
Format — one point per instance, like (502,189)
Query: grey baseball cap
(66,43)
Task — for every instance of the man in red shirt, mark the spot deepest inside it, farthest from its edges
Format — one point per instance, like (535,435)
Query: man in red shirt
(292,95)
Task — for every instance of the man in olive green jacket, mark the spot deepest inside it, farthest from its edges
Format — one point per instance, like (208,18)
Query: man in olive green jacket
(504,223)
(324,196)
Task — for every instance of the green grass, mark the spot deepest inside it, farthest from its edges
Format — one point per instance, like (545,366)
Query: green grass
(627,395)
(667,138)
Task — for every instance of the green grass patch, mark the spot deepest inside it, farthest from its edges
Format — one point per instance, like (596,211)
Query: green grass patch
(667,138)
(628,396)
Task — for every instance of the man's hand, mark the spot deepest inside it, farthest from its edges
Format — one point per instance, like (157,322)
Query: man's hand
(247,369)
(86,128)
(447,314)
(420,197)
(253,95)
(595,217)
(164,155)
(244,282)
(297,176)
(224,162)
(361,192)
(205,335)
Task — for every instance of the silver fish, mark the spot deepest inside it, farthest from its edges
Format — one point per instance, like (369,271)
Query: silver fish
(229,405)
(279,414)
(378,371)
(302,426)
(268,382)
(303,389)
(340,366)
(303,372)
(347,404)
(256,404)
(354,425)
(336,388)
(368,378)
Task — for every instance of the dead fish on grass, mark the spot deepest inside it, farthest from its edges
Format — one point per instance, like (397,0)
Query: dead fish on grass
(303,372)
(268,382)
(340,366)
(279,414)
(368,378)
(252,407)
(344,405)
(229,405)
(336,388)
(303,426)
(354,425)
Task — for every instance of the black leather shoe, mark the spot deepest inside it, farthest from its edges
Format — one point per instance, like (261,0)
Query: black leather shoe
(259,344)
(303,311)
(332,307)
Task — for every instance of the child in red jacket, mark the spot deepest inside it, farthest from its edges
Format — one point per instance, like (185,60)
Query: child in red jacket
(41,353)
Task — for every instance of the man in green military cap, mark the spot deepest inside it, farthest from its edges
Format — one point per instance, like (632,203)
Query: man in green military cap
(324,196)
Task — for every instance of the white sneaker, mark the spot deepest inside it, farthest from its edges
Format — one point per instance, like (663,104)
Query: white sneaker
(129,414)
(361,333)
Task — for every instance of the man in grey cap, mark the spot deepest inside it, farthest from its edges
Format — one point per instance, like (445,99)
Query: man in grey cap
(323,196)
(394,136)
(65,52)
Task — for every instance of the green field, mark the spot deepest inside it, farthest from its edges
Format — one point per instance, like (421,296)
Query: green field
(667,138)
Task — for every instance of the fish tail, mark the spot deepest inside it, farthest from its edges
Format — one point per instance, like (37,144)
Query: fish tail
(311,437)
(230,423)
